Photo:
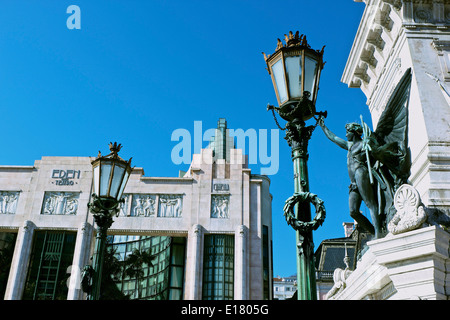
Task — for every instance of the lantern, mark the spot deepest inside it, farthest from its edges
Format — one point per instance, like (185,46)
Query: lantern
(295,70)
(111,175)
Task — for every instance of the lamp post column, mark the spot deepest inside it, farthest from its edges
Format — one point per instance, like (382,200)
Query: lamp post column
(110,176)
(306,278)
(103,221)
(295,70)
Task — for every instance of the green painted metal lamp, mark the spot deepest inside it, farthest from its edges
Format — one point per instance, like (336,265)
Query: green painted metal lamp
(295,70)
(110,176)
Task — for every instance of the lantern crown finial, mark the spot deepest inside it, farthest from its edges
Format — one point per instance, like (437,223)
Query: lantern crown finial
(115,147)
(293,40)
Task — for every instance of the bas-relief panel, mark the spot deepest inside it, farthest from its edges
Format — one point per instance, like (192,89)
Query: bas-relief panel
(219,206)
(8,201)
(151,205)
(143,205)
(170,206)
(60,203)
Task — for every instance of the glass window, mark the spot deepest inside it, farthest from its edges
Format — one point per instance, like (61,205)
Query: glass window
(104,179)
(267,279)
(7,244)
(218,267)
(52,254)
(278,73)
(310,74)
(294,75)
(163,278)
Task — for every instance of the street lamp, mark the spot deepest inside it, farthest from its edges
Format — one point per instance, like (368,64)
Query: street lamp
(110,176)
(295,70)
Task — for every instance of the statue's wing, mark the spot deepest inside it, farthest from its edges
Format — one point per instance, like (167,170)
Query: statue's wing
(393,123)
(392,130)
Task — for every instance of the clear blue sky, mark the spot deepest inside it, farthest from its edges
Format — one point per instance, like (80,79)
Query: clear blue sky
(138,70)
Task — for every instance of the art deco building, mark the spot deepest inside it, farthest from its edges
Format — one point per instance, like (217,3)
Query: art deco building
(209,231)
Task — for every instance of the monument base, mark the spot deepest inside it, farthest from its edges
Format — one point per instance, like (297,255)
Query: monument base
(406,266)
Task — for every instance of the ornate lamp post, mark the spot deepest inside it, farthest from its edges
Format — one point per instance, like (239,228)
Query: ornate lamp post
(110,177)
(295,70)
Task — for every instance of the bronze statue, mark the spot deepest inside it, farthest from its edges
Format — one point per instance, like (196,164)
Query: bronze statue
(360,186)
(378,162)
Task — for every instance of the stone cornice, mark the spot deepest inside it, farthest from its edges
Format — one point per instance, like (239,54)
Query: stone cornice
(16,168)
(141,232)
(382,23)
(364,56)
(167,179)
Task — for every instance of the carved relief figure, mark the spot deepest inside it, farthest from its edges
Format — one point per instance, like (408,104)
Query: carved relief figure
(143,205)
(60,203)
(71,206)
(123,207)
(219,206)
(138,210)
(8,201)
(170,206)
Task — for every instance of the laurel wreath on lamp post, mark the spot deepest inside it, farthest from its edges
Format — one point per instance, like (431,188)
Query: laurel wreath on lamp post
(304,226)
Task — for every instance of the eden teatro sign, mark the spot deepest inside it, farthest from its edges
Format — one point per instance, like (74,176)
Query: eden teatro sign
(65,177)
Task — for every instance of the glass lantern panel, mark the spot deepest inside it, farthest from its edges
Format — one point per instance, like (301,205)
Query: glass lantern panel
(119,170)
(104,179)
(278,74)
(96,179)
(124,183)
(294,75)
(310,74)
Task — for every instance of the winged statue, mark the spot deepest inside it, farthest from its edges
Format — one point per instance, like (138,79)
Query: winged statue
(378,161)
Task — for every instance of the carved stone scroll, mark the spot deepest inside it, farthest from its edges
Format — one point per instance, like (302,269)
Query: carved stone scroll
(410,212)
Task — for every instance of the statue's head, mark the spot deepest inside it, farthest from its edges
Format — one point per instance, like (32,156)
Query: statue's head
(354,128)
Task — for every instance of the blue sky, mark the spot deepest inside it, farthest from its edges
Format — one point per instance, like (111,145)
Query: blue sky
(138,70)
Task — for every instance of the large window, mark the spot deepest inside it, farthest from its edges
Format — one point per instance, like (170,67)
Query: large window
(162,278)
(218,267)
(7,244)
(267,279)
(51,255)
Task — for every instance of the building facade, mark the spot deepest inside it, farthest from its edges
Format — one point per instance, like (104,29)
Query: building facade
(215,219)
(394,36)
(332,254)
(284,287)
(398,40)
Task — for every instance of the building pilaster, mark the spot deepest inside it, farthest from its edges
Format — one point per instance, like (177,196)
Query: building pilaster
(18,270)
(80,259)
(194,262)
(241,285)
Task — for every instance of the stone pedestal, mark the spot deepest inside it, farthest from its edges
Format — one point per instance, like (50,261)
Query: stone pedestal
(411,265)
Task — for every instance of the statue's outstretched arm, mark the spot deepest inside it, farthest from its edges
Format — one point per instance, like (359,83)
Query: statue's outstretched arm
(330,135)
